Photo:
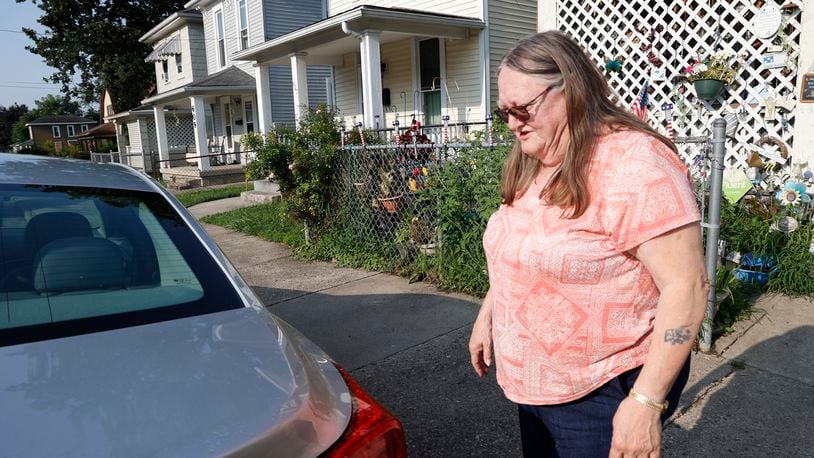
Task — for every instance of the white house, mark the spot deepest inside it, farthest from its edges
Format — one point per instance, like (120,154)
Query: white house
(436,59)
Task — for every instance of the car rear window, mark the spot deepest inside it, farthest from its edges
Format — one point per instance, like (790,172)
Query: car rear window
(77,260)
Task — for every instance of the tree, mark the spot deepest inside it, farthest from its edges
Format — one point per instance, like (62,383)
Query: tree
(98,41)
(9,116)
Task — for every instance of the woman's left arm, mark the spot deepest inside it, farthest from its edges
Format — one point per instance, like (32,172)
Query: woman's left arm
(676,263)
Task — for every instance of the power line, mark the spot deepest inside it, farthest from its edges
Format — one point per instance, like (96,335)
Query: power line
(27,82)
(28,87)
(11,31)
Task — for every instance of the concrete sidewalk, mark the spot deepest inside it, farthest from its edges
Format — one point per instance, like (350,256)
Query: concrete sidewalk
(406,344)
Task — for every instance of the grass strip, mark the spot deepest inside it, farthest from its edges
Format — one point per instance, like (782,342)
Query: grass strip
(267,221)
(190,198)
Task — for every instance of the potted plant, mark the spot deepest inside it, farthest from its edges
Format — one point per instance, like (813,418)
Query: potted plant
(710,74)
(390,193)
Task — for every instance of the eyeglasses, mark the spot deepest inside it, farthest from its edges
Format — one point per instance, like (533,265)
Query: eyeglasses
(521,112)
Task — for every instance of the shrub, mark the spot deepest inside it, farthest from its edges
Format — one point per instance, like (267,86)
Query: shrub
(302,163)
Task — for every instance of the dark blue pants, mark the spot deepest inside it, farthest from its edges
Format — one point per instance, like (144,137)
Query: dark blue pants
(583,428)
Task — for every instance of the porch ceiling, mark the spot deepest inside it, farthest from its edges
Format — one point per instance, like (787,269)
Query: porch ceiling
(324,42)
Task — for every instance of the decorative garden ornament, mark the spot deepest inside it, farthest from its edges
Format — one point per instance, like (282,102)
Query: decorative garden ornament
(785,224)
(792,194)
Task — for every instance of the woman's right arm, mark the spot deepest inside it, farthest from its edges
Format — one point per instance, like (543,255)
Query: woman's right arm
(480,342)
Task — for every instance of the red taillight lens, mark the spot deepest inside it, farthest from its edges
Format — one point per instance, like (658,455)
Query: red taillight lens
(372,432)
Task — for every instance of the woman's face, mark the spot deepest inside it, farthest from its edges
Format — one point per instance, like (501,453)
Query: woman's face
(543,133)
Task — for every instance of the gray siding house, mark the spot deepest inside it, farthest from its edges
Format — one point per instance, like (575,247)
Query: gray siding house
(205,99)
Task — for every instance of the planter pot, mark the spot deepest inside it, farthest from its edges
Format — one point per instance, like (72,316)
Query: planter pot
(391,204)
(708,89)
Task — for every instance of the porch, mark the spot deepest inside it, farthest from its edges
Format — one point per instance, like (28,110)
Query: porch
(389,65)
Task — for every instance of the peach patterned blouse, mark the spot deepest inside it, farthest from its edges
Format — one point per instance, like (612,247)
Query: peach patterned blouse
(571,309)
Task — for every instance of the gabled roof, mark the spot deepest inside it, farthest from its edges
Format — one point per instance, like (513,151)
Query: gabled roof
(60,119)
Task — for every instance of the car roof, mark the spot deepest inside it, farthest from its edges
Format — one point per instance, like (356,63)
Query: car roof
(43,170)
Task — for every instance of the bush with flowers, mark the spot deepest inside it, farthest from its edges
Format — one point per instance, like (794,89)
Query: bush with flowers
(718,66)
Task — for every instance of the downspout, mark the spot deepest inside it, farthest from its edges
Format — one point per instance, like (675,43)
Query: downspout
(348,31)
(358,36)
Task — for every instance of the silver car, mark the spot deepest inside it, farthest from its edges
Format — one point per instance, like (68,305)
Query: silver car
(124,331)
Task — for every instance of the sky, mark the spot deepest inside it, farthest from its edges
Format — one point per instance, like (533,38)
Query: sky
(22,74)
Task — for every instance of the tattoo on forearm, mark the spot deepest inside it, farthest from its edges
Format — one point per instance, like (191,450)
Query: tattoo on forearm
(677,336)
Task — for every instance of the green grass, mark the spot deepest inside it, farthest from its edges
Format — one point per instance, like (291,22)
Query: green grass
(267,221)
(190,198)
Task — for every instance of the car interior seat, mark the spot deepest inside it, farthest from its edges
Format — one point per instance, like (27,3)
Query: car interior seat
(79,264)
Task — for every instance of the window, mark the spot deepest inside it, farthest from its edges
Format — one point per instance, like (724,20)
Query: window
(165,71)
(84,127)
(77,260)
(55,130)
(71,131)
(248,106)
(179,65)
(220,38)
(243,24)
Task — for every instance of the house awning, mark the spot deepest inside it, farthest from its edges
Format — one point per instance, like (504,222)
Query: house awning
(324,42)
(165,50)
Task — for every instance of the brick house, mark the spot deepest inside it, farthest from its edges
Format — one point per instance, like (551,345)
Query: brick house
(58,131)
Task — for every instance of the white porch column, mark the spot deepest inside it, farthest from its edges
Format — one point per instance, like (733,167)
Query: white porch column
(546,15)
(120,143)
(300,83)
(199,126)
(261,78)
(371,79)
(161,136)
(804,115)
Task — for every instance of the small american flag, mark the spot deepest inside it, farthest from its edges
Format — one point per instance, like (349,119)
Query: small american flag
(640,104)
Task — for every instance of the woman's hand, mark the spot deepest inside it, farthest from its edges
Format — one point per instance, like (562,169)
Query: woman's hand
(636,431)
(480,342)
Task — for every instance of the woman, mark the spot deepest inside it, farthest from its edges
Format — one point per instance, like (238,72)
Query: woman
(597,279)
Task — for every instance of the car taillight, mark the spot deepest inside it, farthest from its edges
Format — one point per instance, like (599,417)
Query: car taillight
(372,432)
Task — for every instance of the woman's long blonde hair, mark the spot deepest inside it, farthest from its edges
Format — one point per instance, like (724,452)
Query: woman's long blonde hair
(556,58)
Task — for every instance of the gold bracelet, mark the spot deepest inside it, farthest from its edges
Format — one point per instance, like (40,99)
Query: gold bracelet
(660,406)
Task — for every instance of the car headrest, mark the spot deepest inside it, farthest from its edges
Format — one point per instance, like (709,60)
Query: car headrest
(77,264)
(47,227)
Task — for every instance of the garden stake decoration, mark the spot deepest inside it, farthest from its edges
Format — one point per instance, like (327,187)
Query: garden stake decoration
(667,108)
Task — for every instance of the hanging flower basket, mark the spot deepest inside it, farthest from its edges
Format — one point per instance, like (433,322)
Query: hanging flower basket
(391,204)
(707,88)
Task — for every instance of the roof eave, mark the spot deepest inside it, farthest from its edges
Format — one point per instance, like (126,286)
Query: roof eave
(358,19)
(186,91)
(169,25)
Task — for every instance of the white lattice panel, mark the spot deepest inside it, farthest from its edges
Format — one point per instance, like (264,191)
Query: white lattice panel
(180,130)
(691,28)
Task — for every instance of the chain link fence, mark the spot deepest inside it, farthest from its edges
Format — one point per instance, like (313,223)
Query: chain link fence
(425,203)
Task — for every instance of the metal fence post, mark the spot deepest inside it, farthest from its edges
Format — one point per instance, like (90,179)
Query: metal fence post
(713,227)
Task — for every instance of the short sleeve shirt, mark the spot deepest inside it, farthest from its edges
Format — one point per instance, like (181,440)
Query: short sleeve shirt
(572,309)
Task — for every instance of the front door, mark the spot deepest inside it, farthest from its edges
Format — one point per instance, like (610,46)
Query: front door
(429,55)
